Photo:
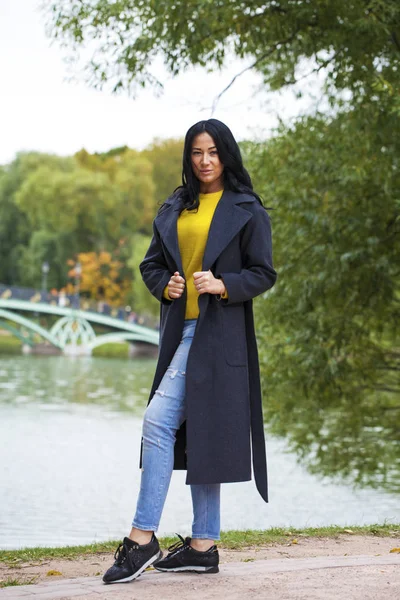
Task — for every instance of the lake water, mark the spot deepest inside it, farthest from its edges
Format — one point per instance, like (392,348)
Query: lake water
(69,455)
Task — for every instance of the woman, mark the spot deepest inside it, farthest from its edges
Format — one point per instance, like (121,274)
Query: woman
(209,256)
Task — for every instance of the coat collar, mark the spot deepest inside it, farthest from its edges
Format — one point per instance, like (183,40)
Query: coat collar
(228,220)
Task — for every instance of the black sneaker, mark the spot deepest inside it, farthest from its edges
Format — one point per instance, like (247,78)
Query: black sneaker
(182,557)
(131,560)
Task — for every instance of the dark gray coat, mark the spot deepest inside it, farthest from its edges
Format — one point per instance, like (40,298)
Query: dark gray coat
(223,392)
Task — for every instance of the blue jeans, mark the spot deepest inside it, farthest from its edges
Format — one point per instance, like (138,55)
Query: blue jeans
(163,417)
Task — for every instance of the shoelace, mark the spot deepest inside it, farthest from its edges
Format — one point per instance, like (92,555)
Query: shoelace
(178,546)
(121,555)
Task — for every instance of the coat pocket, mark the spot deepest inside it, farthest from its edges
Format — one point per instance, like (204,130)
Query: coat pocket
(234,335)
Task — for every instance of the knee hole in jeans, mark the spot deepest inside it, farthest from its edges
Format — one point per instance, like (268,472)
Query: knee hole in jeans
(173,373)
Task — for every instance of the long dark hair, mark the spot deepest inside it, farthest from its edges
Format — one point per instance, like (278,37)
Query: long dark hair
(236,178)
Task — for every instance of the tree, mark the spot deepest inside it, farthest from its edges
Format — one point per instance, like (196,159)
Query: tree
(356,43)
(43,247)
(166,158)
(141,300)
(15,227)
(329,330)
(52,208)
(102,277)
(132,174)
(330,358)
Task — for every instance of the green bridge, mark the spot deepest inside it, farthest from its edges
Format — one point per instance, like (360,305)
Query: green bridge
(72,332)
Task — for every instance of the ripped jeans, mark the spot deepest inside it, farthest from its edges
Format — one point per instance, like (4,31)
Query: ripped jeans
(163,417)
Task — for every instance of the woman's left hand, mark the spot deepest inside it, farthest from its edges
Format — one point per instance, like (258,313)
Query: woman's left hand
(206,283)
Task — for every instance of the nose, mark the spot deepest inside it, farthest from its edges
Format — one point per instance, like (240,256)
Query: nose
(205,159)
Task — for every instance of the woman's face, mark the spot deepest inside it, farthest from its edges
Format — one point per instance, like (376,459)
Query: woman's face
(206,164)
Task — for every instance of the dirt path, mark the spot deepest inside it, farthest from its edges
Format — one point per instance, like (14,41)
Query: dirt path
(349,567)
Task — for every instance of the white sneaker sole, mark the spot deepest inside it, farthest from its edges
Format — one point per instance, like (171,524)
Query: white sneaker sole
(139,572)
(192,569)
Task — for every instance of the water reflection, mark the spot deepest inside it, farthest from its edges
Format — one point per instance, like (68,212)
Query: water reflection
(70,432)
(121,385)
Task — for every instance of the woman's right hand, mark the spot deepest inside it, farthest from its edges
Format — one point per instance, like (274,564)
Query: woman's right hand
(176,285)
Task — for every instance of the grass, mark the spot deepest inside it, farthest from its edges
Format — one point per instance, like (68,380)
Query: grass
(119,350)
(10,345)
(233,540)
(11,582)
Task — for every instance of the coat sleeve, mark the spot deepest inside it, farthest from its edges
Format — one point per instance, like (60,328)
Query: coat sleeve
(154,270)
(257,274)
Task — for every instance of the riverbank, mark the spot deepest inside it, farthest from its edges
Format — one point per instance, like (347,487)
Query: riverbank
(10,345)
(38,565)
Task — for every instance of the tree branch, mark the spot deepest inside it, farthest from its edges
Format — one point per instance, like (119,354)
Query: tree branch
(395,40)
(250,67)
(324,63)
(382,388)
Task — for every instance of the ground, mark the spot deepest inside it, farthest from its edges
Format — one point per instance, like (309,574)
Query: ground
(352,567)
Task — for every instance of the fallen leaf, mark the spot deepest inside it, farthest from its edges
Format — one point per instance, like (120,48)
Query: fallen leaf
(348,531)
(294,542)
(247,559)
(395,550)
(53,573)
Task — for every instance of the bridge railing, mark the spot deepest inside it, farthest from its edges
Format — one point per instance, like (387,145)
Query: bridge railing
(73,301)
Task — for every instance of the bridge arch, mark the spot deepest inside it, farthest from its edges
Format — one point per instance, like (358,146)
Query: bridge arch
(30,325)
(74,328)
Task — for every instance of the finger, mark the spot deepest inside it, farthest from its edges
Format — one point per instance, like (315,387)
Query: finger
(176,290)
(202,287)
(177,278)
(198,274)
(200,279)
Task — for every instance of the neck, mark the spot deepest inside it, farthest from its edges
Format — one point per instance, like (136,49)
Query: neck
(211,188)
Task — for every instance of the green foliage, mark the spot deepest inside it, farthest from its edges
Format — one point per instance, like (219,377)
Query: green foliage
(14,581)
(357,43)
(14,226)
(112,350)
(142,301)
(329,329)
(9,344)
(166,158)
(52,209)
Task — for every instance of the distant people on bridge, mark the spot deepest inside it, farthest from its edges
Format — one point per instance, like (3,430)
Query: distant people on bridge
(132,318)
(210,255)
(62,299)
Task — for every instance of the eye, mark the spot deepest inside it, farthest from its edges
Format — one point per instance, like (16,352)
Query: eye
(196,152)
(214,152)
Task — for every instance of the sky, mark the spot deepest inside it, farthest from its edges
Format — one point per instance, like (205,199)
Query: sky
(43,110)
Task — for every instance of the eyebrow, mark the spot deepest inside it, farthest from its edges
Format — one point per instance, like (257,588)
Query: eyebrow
(210,148)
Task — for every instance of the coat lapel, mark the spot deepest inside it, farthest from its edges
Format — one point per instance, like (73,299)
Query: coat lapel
(228,220)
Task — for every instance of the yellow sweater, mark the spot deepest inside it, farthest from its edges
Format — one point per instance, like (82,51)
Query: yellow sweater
(193,228)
